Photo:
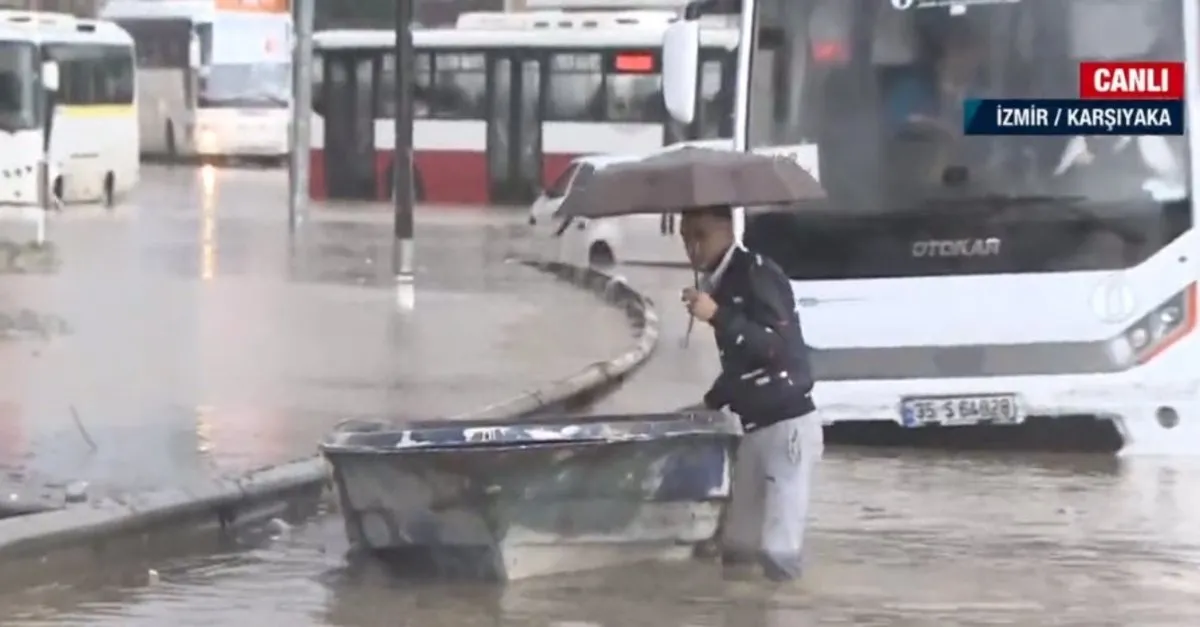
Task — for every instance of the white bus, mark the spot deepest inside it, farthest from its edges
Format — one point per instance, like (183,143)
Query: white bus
(215,76)
(954,281)
(89,120)
(504,102)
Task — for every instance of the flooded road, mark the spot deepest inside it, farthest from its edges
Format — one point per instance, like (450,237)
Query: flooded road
(187,334)
(899,538)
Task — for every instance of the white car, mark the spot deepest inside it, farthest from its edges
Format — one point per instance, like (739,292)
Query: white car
(645,239)
(541,212)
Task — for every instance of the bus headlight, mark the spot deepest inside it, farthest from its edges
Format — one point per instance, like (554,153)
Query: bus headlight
(206,138)
(1156,331)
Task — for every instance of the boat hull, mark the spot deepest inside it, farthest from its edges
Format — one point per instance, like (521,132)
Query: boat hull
(559,500)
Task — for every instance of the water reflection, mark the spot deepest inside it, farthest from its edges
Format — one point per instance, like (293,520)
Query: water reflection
(208,224)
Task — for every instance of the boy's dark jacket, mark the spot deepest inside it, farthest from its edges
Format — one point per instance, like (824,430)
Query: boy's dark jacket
(765,372)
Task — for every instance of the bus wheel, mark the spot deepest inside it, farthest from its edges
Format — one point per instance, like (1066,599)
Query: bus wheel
(109,197)
(172,152)
(600,256)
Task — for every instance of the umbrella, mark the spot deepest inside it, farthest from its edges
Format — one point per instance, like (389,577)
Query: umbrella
(686,178)
(689,178)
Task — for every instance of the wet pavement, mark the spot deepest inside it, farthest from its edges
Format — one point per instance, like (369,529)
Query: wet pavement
(899,538)
(187,334)
(684,364)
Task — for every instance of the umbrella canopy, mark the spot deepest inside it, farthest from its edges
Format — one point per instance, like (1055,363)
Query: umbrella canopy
(691,178)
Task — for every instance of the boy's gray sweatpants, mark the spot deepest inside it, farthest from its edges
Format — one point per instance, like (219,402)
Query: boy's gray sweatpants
(772,481)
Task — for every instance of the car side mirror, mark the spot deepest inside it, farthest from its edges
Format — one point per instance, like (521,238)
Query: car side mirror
(680,69)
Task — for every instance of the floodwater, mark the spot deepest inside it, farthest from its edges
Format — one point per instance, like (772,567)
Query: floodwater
(899,538)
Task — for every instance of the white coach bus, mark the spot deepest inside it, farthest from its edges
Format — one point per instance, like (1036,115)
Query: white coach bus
(215,76)
(87,119)
(986,283)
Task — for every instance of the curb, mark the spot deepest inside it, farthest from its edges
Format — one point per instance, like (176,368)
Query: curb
(27,543)
(597,378)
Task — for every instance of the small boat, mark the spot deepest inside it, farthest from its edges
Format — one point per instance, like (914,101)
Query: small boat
(507,500)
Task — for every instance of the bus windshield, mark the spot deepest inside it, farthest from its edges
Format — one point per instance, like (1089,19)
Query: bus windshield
(248,85)
(18,86)
(879,88)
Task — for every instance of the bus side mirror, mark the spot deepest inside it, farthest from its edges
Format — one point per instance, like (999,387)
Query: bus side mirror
(194,53)
(50,75)
(680,69)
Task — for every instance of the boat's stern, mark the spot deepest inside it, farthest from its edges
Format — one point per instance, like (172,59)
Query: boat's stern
(512,500)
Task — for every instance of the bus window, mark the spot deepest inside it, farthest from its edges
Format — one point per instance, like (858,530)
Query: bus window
(576,87)
(387,93)
(714,115)
(116,76)
(17,87)
(204,32)
(633,88)
(458,88)
(423,85)
(318,83)
(161,43)
(882,91)
(1093,24)
(716,98)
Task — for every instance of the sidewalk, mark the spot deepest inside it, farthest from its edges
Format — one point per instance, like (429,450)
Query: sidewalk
(200,339)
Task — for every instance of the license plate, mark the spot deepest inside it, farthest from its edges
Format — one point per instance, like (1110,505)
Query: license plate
(973,409)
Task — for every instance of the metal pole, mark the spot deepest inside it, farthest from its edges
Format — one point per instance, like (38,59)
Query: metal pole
(741,103)
(302,96)
(403,195)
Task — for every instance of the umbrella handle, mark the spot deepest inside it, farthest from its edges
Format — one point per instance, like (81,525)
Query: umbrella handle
(691,319)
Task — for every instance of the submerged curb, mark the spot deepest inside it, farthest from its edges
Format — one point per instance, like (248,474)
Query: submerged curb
(86,530)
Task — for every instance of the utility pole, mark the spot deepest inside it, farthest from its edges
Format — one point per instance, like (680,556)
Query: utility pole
(403,191)
(302,97)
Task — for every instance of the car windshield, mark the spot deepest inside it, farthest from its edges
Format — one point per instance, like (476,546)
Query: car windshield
(251,85)
(18,86)
(881,91)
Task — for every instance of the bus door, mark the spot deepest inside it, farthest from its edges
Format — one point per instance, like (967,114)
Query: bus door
(348,107)
(514,127)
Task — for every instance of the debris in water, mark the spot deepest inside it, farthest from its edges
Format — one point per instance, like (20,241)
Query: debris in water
(152,577)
